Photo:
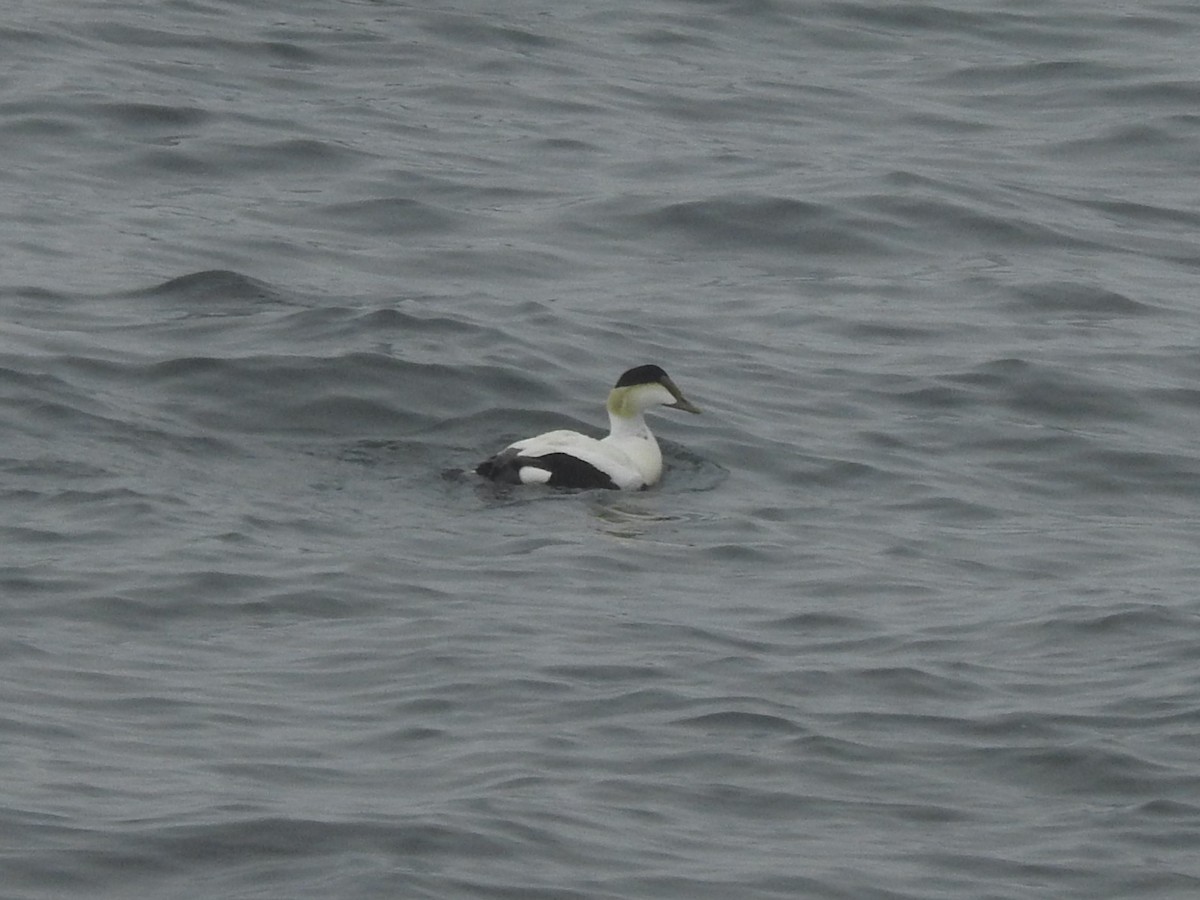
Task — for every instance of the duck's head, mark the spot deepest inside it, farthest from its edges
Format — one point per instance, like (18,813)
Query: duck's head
(643,387)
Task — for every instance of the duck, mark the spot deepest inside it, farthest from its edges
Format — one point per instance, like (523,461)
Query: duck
(627,459)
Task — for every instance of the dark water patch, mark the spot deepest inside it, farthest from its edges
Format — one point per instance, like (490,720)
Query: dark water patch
(936,398)
(1107,472)
(1187,399)
(1170,808)
(174,161)
(251,841)
(347,413)
(951,870)
(1129,212)
(1082,299)
(1145,95)
(686,470)
(836,749)
(760,222)
(422,335)
(284,774)
(773,101)
(923,17)
(992,374)
(275,52)
(40,127)
(570,149)
(152,115)
(841,473)
(19,39)
(40,728)
(951,509)
(740,722)
(512,887)
(393,215)
(54,467)
(222,161)
(961,223)
(1054,393)
(104,500)
(356,392)
(667,37)
(759,805)
(625,703)
(292,604)
(41,580)
(300,55)
(37,294)
(1045,75)
(916,683)
(27,385)
(822,624)
(472,31)
(212,285)
(605,674)
(80,419)
(214,596)
(736,223)
(1137,143)
(972,125)
(389,740)
(12,648)
(1131,622)
(694,635)
(1082,769)
(381,452)
(887,332)
(40,417)
(512,261)
(747,552)
(293,155)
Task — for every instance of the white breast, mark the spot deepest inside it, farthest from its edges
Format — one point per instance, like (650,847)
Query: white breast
(642,452)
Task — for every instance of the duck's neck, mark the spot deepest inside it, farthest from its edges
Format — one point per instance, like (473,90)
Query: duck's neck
(625,417)
(628,426)
(628,432)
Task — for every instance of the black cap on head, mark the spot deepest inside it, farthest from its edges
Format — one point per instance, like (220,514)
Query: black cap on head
(642,375)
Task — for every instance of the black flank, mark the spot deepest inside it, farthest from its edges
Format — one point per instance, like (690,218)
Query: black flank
(565,470)
(569,471)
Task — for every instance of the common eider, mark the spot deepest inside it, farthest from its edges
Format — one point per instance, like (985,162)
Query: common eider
(627,459)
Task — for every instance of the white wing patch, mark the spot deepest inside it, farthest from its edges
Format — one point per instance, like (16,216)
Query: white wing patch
(533,475)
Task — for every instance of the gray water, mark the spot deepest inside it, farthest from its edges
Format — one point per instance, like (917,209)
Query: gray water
(913,613)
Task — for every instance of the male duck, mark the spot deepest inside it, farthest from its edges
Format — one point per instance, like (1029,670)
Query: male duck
(627,459)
